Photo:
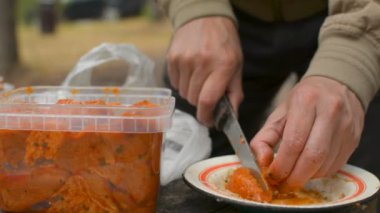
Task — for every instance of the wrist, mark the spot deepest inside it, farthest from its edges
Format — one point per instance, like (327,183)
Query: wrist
(182,12)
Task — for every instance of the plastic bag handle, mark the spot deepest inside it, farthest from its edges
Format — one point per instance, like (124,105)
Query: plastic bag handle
(140,72)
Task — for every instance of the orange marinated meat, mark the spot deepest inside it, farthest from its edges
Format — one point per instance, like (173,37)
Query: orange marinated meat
(67,149)
(84,171)
(96,102)
(301,197)
(133,184)
(82,150)
(145,103)
(42,145)
(12,148)
(149,124)
(138,157)
(128,147)
(85,192)
(19,191)
(141,104)
(243,183)
(246,186)
(97,107)
(155,152)
(67,101)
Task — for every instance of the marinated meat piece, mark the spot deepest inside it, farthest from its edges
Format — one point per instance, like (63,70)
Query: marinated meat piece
(85,192)
(71,151)
(67,101)
(96,107)
(19,191)
(145,124)
(145,103)
(43,145)
(124,201)
(128,147)
(83,150)
(12,148)
(96,102)
(132,183)
(243,183)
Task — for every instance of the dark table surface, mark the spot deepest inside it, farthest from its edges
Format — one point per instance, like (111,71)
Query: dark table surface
(178,197)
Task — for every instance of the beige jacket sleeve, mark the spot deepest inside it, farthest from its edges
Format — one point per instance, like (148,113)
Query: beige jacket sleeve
(183,11)
(349,47)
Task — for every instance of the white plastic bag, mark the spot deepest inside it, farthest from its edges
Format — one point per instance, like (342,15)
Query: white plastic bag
(140,67)
(185,143)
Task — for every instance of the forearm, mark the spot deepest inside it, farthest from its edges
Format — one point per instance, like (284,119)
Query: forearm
(349,47)
(183,11)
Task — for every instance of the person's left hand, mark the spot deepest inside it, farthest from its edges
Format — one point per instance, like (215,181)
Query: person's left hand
(319,126)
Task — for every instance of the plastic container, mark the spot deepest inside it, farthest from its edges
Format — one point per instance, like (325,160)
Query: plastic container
(65,149)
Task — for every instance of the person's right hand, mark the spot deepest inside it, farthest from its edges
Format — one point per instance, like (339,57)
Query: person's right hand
(205,62)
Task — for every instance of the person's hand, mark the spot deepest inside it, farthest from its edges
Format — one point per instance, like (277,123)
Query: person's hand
(319,126)
(205,62)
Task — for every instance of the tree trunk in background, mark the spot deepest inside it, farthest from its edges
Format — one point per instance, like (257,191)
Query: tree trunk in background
(8,39)
(155,10)
(48,16)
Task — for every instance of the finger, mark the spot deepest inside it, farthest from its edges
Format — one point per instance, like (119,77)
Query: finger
(341,160)
(185,72)
(352,129)
(235,92)
(212,91)
(269,136)
(314,153)
(338,133)
(173,71)
(333,153)
(348,147)
(300,119)
(197,80)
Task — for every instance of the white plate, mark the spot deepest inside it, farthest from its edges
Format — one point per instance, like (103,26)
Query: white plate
(350,185)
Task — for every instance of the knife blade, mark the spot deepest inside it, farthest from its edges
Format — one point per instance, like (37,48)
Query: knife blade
(226,121)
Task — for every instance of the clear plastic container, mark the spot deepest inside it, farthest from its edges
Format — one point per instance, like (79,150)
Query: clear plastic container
(86,149)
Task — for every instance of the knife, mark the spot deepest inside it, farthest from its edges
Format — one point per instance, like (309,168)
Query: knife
(225,120)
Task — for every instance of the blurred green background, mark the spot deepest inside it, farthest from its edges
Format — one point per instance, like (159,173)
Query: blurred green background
(48,49)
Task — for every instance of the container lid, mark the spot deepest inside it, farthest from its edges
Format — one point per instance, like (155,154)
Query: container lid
(93,109)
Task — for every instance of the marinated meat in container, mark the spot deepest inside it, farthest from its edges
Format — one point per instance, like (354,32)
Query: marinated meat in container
(85,149)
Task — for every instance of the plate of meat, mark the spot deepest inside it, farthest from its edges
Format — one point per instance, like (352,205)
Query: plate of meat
(226,180)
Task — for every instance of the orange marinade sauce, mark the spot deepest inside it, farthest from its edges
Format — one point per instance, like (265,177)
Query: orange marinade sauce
(80,171)
(244,184)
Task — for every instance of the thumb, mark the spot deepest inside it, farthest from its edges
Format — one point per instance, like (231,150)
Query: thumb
(269,136)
